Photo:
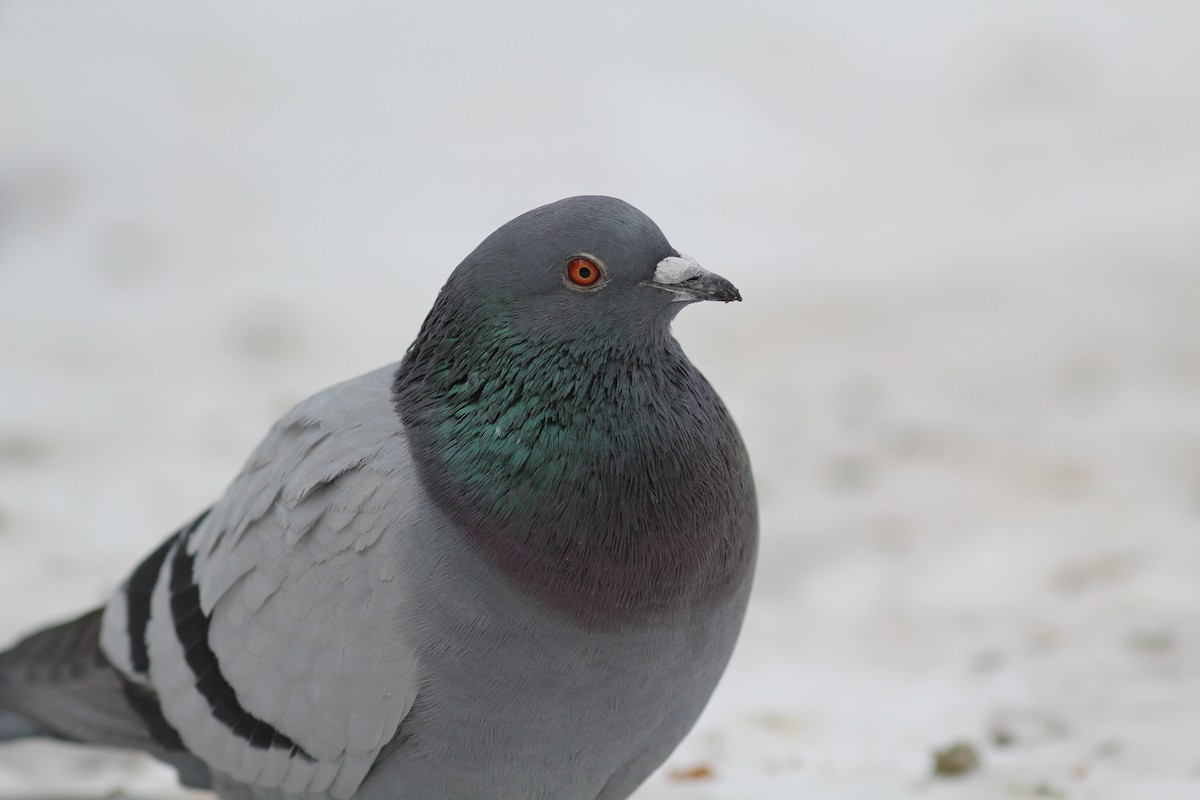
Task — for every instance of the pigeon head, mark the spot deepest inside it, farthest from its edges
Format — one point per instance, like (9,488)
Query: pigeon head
(579,268)
(558,425)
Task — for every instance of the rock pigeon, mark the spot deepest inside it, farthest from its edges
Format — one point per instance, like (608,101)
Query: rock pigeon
(510,567)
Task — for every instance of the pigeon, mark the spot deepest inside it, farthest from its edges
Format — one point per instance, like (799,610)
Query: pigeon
(511,566)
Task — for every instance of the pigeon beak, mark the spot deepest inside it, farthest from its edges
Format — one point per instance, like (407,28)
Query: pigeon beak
(688,281)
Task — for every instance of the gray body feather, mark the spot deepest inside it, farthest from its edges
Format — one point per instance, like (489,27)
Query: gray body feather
(489,691)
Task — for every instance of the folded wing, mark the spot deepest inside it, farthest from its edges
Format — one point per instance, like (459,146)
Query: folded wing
(271,628)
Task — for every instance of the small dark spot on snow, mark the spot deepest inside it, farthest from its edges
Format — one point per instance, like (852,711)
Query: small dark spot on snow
(700,772)
(958,759)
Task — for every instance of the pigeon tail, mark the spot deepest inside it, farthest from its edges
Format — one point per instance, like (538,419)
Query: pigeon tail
(57,681)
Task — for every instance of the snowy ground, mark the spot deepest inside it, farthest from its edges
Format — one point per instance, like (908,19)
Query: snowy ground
(967,367)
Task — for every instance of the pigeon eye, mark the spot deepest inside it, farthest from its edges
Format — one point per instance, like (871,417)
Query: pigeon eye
(583,271)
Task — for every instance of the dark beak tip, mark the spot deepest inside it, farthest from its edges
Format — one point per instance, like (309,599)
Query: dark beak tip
(706,286)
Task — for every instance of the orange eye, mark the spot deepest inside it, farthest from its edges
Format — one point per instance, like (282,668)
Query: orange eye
(583,271)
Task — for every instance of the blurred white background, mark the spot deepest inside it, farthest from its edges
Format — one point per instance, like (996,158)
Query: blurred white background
(967,367)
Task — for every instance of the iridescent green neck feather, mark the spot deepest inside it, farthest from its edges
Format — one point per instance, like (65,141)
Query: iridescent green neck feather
(602,474)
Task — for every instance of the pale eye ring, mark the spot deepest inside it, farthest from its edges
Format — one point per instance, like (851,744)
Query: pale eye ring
(583,271)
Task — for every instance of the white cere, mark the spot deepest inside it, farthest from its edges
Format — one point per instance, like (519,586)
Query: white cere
(677,269)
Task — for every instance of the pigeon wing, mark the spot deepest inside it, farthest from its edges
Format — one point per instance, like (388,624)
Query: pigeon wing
(273,624)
